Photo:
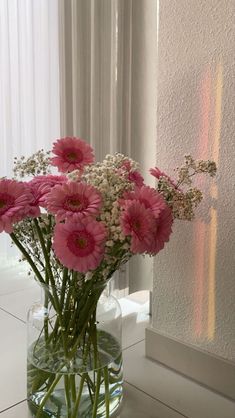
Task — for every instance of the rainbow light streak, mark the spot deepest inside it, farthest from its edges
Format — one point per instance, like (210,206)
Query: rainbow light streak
(213,213)
(211,278)
(199,288)
(200,227)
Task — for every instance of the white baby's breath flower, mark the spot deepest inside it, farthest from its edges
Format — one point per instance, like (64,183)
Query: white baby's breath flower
(109,243)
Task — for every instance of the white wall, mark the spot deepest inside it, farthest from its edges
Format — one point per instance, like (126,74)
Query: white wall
(194,283)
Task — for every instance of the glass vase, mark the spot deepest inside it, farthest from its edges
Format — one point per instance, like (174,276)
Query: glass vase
(74,366)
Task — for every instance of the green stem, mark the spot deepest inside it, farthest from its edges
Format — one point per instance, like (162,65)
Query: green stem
(83,296)
(63,287)
(90,392)
(27,257)
(91,387)
(46,320)
(45,253)
(77,403)
(73,387)
(47,396)
(106,385)
(91,302)
(93,336)
(67,394)
(84,322)
(97,393)
(70,297)
(86,347)
(62,296)
(51,278)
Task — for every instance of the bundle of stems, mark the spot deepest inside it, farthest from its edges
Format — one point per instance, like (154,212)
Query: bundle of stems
(69,328)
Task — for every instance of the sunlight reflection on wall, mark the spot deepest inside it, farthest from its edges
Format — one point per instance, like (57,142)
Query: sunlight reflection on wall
(205,236)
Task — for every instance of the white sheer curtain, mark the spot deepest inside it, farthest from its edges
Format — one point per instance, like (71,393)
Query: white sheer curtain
(29,83)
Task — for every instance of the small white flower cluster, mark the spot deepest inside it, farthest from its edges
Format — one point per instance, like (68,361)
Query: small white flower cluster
(192,167)
(119,160)
(111,178)
(184,202)
(38,163)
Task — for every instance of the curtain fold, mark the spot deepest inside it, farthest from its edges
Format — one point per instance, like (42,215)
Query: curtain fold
(29,84)
(95,72)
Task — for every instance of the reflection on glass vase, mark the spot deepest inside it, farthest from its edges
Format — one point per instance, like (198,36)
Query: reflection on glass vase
(74,354)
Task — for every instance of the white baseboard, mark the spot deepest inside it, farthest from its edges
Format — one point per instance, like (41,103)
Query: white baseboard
(207,369)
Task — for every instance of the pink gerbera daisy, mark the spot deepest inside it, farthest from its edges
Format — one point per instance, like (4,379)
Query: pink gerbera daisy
(138,222)
(15,199)
(71,154)
(146,195)
(40,186)
(45,183)
(136,178)
(34,209)
(80,245)
(133,175)
(161,231)
(73,200)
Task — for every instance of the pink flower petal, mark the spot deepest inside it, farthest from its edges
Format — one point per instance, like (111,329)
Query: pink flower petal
(137,222)
(161,231)
(71,154)
(80,245)
(146,195)
(73,200)
(15,200)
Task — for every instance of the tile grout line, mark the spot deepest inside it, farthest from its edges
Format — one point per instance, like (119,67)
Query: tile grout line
(147,394)
(14,316)
(132,345)
(156,399)
(13,292)
(12,406)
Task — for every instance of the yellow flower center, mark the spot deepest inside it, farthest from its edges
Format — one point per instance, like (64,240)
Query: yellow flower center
(72,156)
(81,242)
(74,202)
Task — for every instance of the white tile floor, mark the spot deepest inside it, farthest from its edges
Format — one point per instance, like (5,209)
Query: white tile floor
(151,390)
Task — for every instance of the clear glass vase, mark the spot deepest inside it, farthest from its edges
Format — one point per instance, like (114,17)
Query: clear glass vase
(74,366)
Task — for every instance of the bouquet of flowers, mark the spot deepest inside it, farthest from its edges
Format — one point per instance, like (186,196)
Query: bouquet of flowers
(75,229)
